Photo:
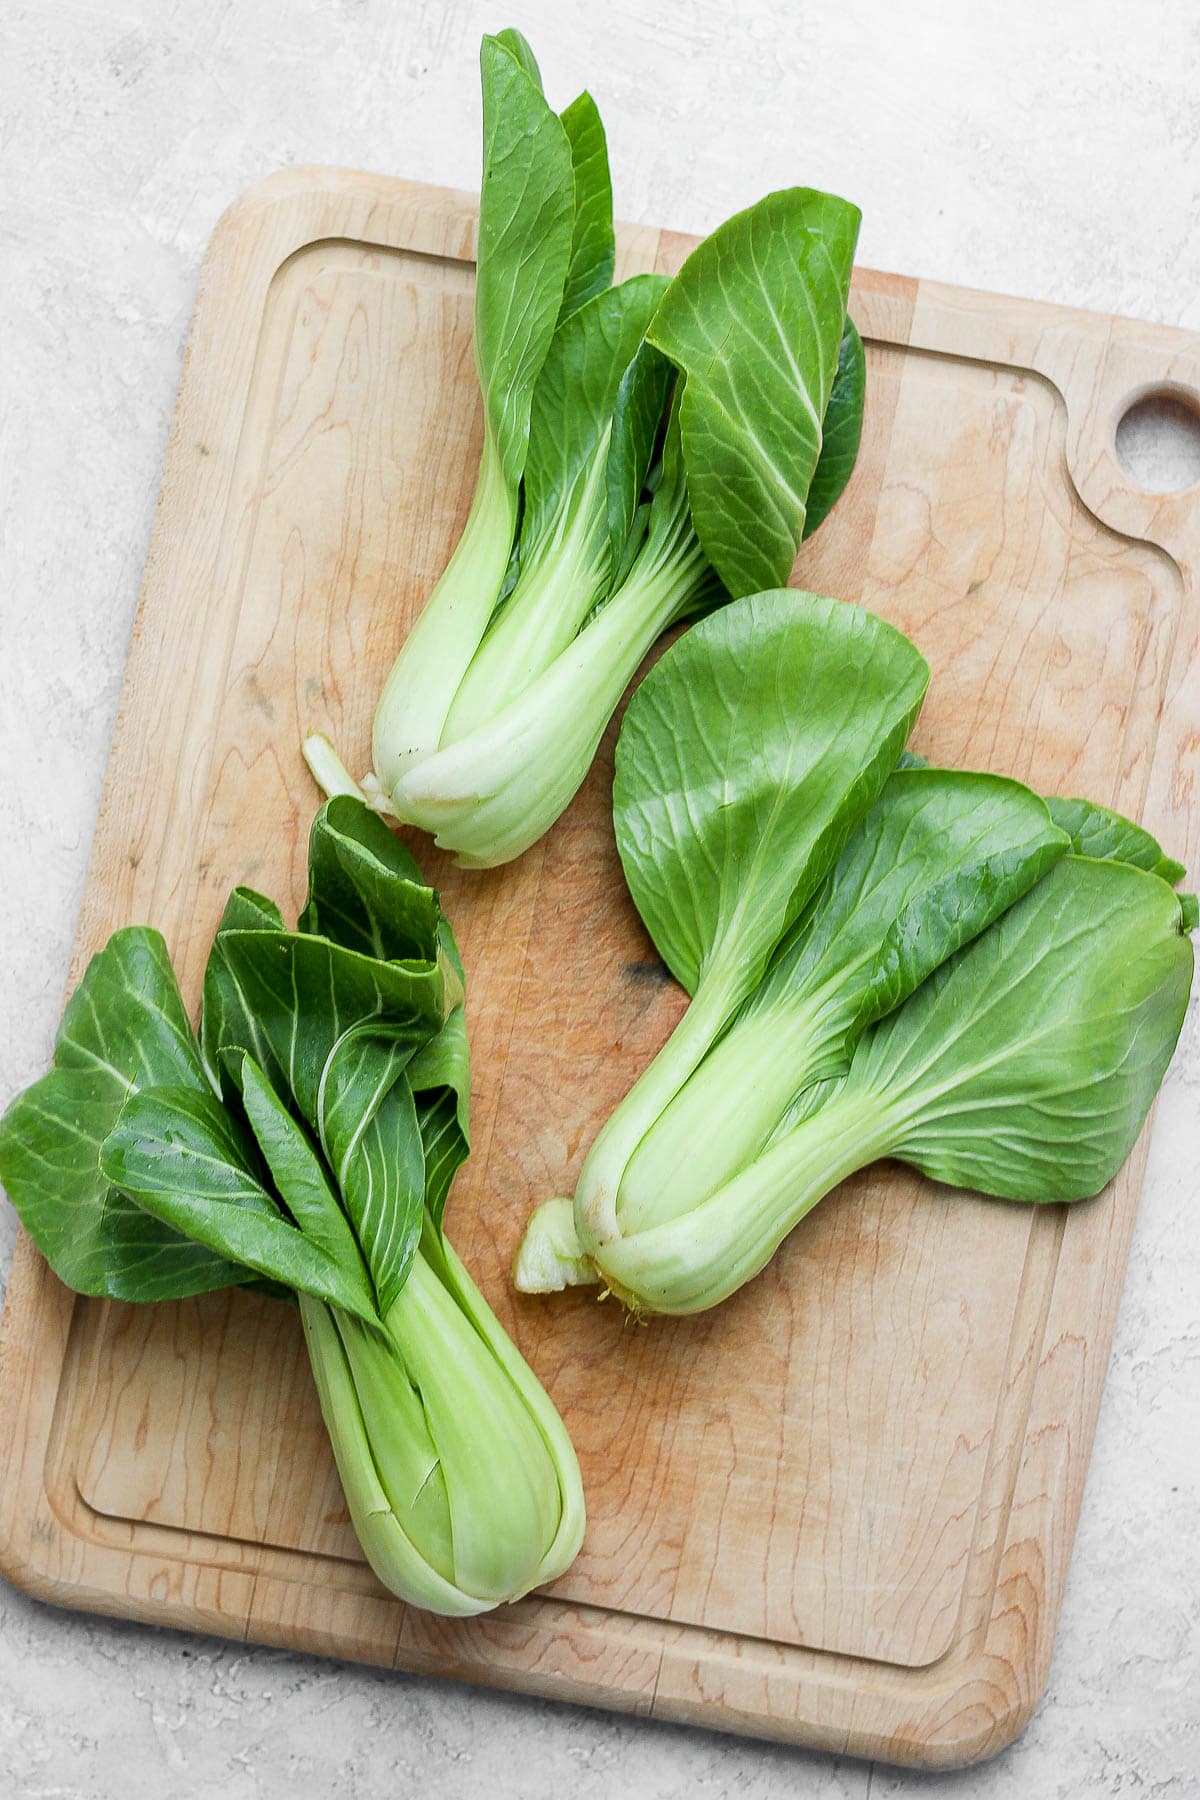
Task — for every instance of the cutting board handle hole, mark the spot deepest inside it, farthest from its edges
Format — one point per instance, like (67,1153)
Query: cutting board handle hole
(1158,440)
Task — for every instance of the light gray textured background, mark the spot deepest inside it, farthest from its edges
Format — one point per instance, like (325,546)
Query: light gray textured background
(1043,149)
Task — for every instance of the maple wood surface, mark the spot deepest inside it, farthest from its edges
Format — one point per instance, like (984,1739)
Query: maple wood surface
(839,1508)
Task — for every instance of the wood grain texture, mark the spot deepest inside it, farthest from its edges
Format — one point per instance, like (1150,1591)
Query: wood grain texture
(838,1510)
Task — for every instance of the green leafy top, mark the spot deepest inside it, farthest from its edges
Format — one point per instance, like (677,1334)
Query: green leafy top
(841,431)
(1026,1065)
(327,1114)
(754,321)
(124,1028)
(747,756)
(593,245)
(586,373)
(941,854)
(1024,1068)
(1095,831)
(526,233)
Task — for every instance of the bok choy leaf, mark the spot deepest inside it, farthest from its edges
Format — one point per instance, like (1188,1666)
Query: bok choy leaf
(754,323)
(124,1028)
(841,433)
(1095,831)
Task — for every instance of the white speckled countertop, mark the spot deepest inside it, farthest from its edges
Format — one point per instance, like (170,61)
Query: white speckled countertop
(1050,151)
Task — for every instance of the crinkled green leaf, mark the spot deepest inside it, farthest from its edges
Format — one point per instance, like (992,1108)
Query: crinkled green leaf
(941,854)
(1095,831)
(95,1239)
(440,1078)
(124,1026)
(226,1018)
(841,432)
(178,1153)
(365,891)
(371,1135)
(754,321)
(300,995)
(305,1033)
(296,1169)
(636,421)
(593,247)
(127,1019)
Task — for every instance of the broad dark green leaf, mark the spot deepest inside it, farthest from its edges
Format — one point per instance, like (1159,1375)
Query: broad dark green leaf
(364,889)
(125,1026)
(941,854)
(574,402)
(369,1129)
(1095,831)
(95,1239)
(334,1026)
(140,1182)
(746,758)
(226,1018)
(127,1018)
(636,422)
(754,321)
(841,432)
(526,227)
(593,248)
(178,1153)
(440,1078)
(296,1169)
(1025,1066)
(299,995)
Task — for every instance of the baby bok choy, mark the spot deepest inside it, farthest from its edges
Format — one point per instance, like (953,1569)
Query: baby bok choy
(649,450)
(305,1146)
(849,939)
(1023,1068)
(748,756)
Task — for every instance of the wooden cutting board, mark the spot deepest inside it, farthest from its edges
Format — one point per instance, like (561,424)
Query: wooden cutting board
(839,1509)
